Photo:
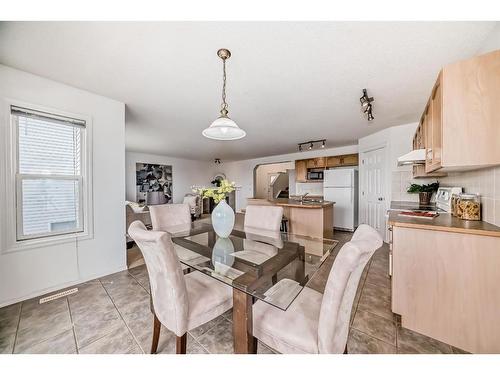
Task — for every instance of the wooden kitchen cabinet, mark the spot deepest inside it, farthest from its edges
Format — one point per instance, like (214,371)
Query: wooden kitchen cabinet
(419,142)
(301,166)
(434,127)
(301,170)
(460,120)
(349,160)
(342,160)
(316,163)
(333,161)
(445,286)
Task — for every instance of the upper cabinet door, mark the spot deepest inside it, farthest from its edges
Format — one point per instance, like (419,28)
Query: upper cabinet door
(427,127)
(316,163)
(350,160)
(437,125)
(300,171)
(435,129)
(333,161)
(471,112)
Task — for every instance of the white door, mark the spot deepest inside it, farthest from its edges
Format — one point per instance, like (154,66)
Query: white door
(372,189)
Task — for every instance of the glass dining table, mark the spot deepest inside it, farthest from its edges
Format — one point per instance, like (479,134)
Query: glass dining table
(261,265)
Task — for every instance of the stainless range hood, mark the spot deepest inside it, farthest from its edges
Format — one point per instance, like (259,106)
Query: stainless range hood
(412,158)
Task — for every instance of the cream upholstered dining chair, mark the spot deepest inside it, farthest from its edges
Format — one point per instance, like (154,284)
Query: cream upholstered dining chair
(181,302)
(267,218)
(166,216)
(265,222)
(316,323)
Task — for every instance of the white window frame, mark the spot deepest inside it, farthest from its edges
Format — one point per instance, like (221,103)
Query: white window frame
(13,242)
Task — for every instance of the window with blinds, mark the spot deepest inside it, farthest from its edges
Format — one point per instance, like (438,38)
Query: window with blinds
(49,177)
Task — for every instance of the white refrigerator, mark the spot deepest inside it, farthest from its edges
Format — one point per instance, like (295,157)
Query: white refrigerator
(340,185)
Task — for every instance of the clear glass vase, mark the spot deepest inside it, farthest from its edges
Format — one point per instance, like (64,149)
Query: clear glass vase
(223,219)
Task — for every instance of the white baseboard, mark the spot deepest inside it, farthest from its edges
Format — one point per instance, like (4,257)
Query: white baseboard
(54,288)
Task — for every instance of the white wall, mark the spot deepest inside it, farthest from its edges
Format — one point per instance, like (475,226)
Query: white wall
(242,171)
(492,42)
(31,272)
(185,173)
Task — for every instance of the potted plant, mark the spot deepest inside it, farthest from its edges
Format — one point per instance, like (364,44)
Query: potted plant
(223,214)
(424,191)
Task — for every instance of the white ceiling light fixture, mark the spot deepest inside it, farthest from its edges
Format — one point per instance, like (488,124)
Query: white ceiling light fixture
(223,128)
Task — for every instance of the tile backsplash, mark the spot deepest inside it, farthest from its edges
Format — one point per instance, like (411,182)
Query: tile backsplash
(485,182)
(312,188)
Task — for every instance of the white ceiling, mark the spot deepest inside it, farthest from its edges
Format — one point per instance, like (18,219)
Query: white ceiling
(288,82)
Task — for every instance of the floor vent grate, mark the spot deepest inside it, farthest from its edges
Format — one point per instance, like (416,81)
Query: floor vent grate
(64,293)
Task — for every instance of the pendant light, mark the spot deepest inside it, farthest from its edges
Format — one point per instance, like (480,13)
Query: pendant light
(223,128)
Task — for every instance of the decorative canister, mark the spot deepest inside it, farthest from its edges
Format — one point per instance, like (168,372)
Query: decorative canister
(469,207)
(454,206)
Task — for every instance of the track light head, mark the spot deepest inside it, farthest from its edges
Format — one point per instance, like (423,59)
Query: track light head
(366,105)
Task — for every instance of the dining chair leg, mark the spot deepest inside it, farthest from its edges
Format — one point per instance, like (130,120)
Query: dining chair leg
(180,344)
(345,350)
(156,334)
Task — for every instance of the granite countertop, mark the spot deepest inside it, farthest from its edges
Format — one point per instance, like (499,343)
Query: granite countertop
(403,205)
(294,203)
(444,222)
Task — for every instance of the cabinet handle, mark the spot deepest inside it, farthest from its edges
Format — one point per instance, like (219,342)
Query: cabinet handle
(390,264)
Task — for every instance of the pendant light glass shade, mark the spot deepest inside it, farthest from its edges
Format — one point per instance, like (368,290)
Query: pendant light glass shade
(224,129)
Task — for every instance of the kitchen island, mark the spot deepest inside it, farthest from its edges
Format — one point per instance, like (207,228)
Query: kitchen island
(308,218)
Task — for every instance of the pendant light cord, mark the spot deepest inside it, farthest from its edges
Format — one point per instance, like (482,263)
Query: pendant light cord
(224,104)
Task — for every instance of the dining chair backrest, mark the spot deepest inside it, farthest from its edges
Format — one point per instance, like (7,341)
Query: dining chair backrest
(168,286)
(341,287)
(263,217)
(164,216)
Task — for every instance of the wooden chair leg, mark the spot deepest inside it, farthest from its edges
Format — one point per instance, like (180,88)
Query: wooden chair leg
(255,344)
(156,334)
(345,350)
(180,344)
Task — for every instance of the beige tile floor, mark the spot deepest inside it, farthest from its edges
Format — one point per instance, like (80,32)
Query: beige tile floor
(112,315)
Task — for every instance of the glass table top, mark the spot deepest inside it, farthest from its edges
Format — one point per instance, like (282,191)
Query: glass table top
(273,267)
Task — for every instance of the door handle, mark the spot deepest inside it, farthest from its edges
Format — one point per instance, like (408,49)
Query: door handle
(380,198)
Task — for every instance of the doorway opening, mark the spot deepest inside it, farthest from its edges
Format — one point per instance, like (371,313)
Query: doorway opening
(272,181)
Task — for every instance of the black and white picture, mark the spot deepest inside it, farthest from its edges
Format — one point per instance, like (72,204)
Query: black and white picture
(153,183)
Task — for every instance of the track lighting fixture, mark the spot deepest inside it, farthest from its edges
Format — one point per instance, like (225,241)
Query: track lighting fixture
(366,105)
(310,144)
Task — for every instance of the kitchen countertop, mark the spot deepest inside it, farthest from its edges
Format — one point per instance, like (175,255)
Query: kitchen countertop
(294,203)
(444,222)
(404,205)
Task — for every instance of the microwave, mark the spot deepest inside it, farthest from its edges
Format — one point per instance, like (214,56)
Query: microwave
(315,175)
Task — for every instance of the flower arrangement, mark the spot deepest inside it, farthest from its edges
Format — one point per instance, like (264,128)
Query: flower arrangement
(219,193)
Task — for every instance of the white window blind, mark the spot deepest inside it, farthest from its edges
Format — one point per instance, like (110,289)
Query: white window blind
(49,174)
